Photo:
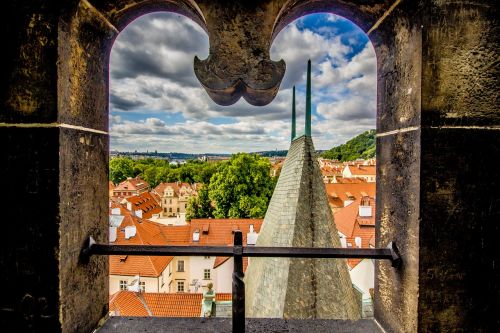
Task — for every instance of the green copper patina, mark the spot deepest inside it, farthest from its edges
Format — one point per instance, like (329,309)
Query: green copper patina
(308,100)
(293,114)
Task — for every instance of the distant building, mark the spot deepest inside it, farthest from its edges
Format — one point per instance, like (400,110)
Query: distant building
(140,273)
(145,205)
(130,187)
(175,196)
(356,227)
(367,172)
(341,195)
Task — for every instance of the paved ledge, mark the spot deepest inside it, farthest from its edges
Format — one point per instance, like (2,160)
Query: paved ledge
(220,325)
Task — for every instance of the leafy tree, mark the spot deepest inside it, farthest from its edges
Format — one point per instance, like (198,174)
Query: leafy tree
(361,146)
(120,168)
(242,187)
(200,206)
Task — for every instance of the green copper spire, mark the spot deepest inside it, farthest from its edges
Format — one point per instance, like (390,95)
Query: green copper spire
(293,115)
(308,100)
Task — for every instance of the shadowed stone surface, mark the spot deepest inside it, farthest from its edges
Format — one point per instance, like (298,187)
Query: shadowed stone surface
(299,215)
(223,325)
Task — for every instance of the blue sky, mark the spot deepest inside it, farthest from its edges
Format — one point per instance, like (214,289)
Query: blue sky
(156,102)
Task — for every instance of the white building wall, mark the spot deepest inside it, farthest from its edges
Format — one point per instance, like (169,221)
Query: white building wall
(363,276)
(223,277)
(151,283)
(197,265)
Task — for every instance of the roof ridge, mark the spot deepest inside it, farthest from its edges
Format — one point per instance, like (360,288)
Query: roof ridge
(143,301)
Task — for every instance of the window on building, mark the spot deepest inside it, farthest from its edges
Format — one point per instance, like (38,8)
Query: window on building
(180,286)
(178,209)
(207,257)
(180,266)
(170,201)
(142,286)
(123,285)
(170,210)
(206,274)
(164,210)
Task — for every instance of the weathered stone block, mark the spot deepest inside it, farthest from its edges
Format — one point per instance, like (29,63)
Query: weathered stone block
(459,278)
(460,72)
(397,219)
(57,179)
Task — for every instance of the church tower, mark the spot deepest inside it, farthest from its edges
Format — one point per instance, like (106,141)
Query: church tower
(299,215)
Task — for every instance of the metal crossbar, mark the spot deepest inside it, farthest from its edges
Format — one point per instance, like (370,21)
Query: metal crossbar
(238,251)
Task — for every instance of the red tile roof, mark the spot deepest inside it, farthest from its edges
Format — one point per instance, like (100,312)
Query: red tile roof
(350,224)
(132,184)
(147,233)
(145,202)
(362,170)
(338,193)
(127,303)
(176,186)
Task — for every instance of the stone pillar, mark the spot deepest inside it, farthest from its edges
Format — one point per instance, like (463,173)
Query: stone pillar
(437,197)
(53,125)
(459,275)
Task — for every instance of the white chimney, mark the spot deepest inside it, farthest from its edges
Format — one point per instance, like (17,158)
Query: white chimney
(252,236)
(115,211)
(112,234)
(130,231)
(365,211)
(129,206)
(196,236)
(343,241)
(138,213)
(357,240)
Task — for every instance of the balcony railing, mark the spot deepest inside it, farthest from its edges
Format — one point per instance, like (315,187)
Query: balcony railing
(238,251)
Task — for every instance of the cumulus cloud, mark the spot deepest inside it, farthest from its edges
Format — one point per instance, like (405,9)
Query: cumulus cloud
(151,71)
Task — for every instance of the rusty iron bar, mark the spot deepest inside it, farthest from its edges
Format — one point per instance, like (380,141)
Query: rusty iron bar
(238,285)
(389,253)
(238,251)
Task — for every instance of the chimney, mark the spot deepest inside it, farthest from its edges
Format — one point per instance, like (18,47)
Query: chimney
(252,236)
(130,231)
(112,234)
(343,240)
(357,240)
(365,210)
(196,236)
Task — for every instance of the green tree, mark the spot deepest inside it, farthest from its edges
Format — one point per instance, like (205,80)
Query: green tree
(200,206)
(242,187)
(120,168)
(361,146)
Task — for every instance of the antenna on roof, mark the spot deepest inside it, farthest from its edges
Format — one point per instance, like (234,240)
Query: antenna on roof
(308,100)
(293,114)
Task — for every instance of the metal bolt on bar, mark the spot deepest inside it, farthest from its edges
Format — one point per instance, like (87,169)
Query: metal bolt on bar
(238,251)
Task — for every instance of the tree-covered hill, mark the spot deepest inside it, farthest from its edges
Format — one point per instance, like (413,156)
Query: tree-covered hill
(361,146)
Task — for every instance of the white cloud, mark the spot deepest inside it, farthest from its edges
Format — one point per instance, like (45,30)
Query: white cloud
(152,72)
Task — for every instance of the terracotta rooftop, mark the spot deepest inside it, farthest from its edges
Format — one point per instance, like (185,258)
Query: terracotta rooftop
(350,224)
(147,203)
(147,233)
(338,192)
(362,170)
(176,186)
(132,184)
(128,303)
